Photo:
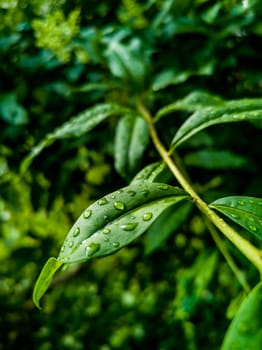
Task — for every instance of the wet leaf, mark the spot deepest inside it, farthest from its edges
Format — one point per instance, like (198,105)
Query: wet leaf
(117,219)
(230,111)
(245,211)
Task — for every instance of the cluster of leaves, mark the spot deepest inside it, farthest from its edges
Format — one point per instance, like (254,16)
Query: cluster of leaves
(94,61)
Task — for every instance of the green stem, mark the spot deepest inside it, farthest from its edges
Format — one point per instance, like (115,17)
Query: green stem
(252,253)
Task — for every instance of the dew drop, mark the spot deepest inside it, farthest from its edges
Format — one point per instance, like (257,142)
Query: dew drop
(251,201)
(102,201)
(129,226)
(241,202)
(63,249)
(116,244)
(251,219)
(105,217)
(145,193)
(163,187)
(119,205)
(87,213)
(113,196)
(91,249)
(139,177)
(234,216)
(76,232)
(71,244)
(106,239)
(106,231)
(147,216)
(253,227)
(131,193)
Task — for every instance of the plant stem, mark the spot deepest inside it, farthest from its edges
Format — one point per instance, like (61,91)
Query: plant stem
(251,252)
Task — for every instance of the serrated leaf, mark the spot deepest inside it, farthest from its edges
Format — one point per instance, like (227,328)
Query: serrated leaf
(168,223)
(131,140)
(245,211)
(117,219)
(44,279)
(245,331)
(228,112)
(76,127)
(215,159)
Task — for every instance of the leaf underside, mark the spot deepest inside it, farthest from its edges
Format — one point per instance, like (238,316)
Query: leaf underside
(245,211)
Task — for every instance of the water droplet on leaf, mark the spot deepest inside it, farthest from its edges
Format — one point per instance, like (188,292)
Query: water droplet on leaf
(145,193)
(147,216)
(71,244)
(163,187)
(131,193)
(76,232)
(116,244)
(119,205)
(87,213)
(102,201)
(106,239)
(234,216)
(253,227)
(106,231)
(113,196)
(241,202)
(129,226)
(92,249)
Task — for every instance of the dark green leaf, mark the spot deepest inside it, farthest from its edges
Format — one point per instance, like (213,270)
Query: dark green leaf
(117,219)
(231,111)
(245,331)
(76,127)
(131,140)
(245,211)
(149,172)
(44,279)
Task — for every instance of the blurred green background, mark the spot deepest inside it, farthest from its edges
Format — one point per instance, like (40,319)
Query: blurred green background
(56,60)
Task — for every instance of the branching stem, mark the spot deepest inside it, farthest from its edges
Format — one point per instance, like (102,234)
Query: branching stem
(251,252)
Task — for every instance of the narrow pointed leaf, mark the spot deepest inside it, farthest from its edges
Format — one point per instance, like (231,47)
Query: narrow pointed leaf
(44,279)
(194,101)
(76,127)
(245,211)
(231,111)
(245,331)
(117,219)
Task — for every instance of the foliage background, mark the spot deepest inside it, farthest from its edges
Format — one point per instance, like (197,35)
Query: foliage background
(57,59)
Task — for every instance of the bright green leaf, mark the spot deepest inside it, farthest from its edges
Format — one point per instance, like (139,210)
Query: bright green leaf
(231,111)
(44,279)
(76,127)
(245,211)
(245,331)
(117,219)
(149,172)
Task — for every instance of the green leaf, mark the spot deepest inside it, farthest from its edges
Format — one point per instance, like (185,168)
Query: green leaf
(117,219)
(194,101)
(245,211)
(245,331)
(125,63)
(76,127)
(215,159)
(168,223)
(131,140)
(231,111)
(44,279)
(149,173)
